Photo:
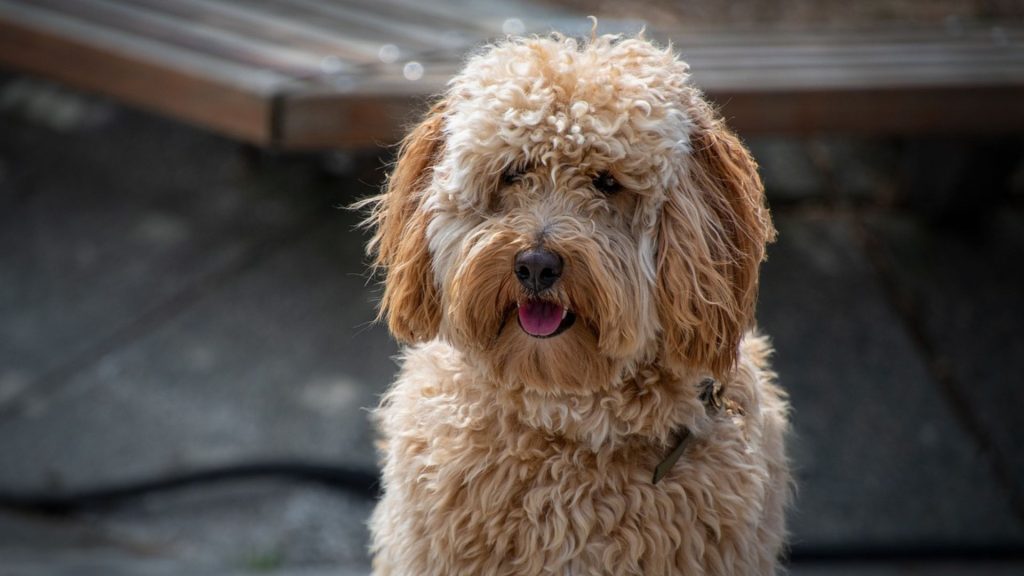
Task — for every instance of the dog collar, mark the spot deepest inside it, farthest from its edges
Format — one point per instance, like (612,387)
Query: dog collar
(711,396)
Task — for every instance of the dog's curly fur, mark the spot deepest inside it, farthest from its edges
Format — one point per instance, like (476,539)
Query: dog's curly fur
(504,453)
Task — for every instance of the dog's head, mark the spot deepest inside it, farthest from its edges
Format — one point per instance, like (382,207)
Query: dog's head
(570,209)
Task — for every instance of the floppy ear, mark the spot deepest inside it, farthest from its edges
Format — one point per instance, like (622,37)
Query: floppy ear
(712,236)
(399,244)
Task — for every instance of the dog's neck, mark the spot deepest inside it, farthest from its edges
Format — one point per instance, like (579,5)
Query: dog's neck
(649,403)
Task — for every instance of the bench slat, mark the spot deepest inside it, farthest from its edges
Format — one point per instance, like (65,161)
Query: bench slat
(346,19)
(473,20)
(824,55)
(195,36)
(266,28)
(968,110)
(232,99)
(783,36)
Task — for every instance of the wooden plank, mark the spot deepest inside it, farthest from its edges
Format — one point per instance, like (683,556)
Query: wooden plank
(365,39)
(830,56)
(483,18)
(870,59)
(470,20)
(193,36)
(248,22)
(317,121)
(800,79)
(765,37)
(953,110)
(230,99)
(348,19)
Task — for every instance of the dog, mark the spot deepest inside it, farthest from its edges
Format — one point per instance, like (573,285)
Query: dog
(570,244)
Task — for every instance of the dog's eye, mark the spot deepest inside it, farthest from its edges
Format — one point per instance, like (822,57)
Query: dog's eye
(606,183)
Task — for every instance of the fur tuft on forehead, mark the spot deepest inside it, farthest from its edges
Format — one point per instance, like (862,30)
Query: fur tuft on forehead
(544,101)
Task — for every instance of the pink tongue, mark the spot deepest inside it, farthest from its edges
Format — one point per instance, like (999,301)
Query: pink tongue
(540,318)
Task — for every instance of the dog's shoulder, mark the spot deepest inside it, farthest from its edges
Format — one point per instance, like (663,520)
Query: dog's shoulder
(434,390)
(429,367)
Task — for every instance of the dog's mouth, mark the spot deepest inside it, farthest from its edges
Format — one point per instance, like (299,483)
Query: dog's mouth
(543,319)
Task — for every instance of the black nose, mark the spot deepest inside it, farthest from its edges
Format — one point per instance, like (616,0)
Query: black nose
(538,269)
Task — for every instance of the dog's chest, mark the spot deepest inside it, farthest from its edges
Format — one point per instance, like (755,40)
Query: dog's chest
(536,504)
(475,484)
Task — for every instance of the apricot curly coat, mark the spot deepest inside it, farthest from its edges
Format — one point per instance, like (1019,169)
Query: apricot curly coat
(507,453)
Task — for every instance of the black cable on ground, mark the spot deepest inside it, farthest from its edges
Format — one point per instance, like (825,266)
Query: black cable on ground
(362,483)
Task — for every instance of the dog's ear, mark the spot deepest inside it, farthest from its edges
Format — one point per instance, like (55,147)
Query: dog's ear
(399,245)
(712,236)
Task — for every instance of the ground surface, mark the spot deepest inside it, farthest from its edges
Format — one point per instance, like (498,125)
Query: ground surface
(170,303)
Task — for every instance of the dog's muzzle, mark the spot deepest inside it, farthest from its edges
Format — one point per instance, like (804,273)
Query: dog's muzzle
(537,270)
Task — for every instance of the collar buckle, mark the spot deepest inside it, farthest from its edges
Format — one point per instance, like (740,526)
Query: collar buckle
(711,396)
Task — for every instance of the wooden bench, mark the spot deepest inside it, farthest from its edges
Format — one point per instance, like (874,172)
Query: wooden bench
(308,74)
(881,81)
(294,74)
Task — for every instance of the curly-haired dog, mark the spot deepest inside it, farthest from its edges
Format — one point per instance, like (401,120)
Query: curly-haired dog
(571,242)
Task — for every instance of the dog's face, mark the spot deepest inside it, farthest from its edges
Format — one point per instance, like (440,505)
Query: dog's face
(569,211)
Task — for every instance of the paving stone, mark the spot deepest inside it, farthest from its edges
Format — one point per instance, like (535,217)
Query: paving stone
(241,527)
(965,289)
(275,359)
(281,363)
(247,525)
(879,456)
(101,227)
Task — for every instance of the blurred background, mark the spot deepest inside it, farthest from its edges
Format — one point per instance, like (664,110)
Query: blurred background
(187,346)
